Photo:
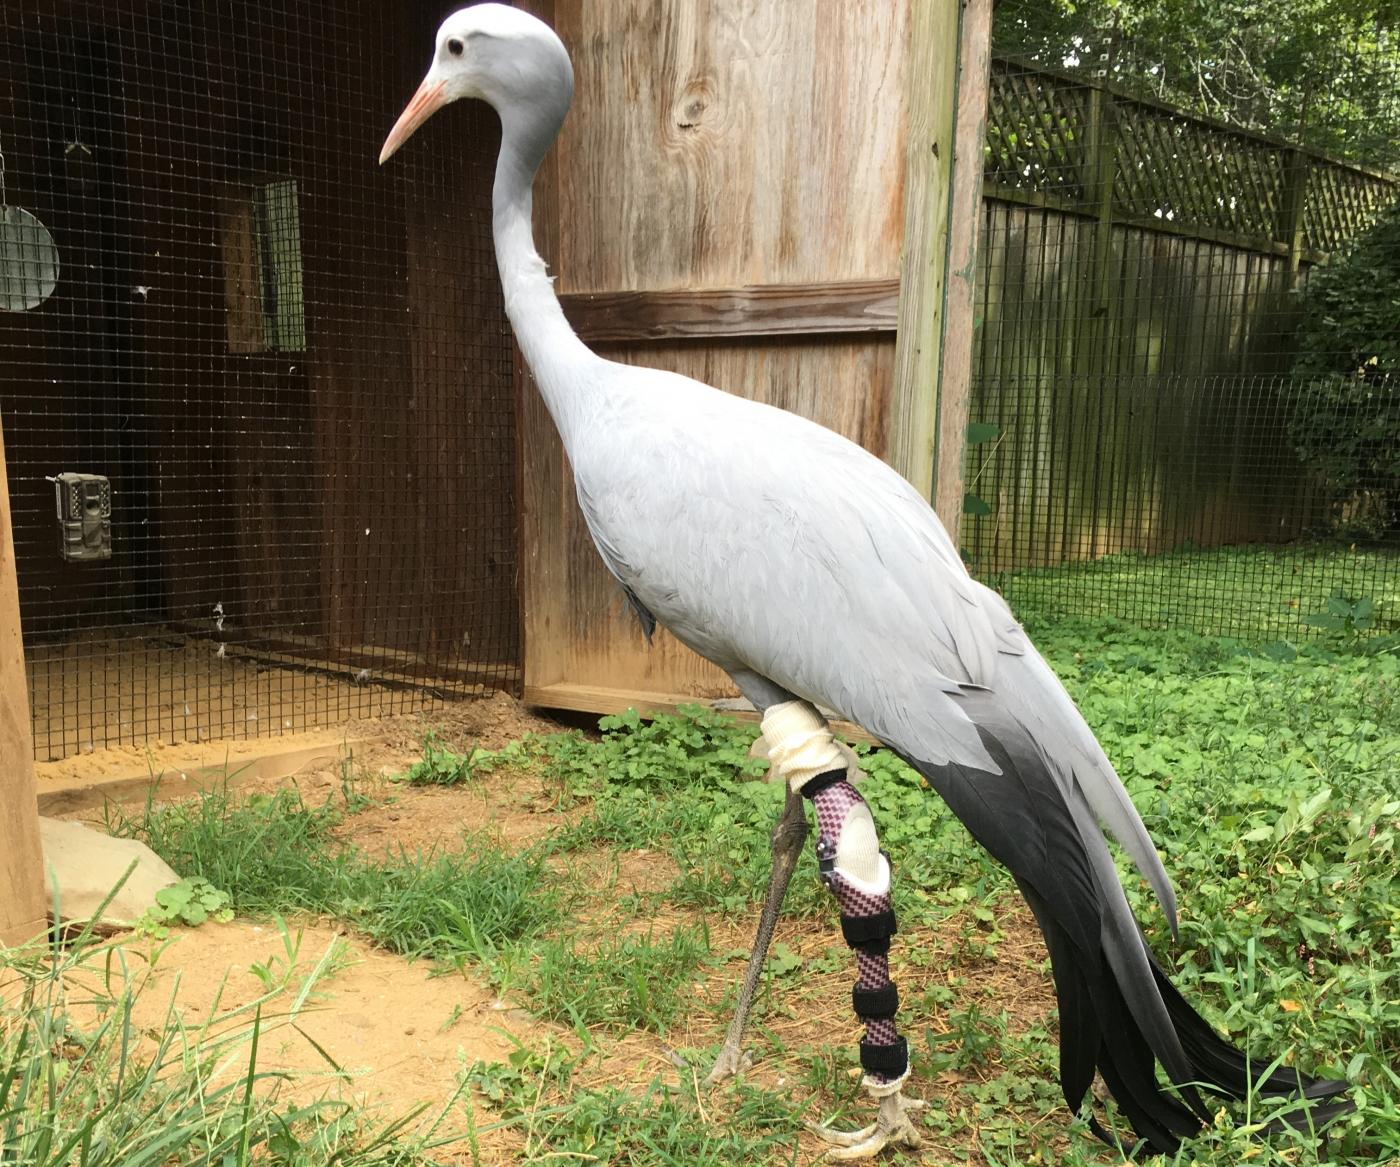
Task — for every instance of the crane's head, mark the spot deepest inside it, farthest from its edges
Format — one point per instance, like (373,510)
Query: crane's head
(498,54)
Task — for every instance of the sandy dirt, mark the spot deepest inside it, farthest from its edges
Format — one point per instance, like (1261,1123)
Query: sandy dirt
(383,742)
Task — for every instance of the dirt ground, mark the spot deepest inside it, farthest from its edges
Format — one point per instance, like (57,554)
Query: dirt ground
(404,1030)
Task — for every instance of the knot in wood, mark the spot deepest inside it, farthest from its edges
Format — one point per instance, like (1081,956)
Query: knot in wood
(691,106)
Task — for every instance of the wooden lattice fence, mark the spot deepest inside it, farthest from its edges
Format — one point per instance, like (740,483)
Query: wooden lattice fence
(1136,315)
(1056,140)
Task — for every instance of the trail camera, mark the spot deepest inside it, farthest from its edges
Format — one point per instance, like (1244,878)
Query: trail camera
(84,516)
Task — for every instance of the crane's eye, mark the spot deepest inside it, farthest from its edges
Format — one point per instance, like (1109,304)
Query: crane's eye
(454,46)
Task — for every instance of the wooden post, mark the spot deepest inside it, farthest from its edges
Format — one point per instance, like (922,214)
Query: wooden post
(960,299)
(947,103)
(1291,209)
(21,864)
(1101,169)
(928,168)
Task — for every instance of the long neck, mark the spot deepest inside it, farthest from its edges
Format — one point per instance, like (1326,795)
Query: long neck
(559,361)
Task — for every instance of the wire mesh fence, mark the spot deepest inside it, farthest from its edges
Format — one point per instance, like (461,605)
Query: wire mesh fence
(1186,398)
(277,381)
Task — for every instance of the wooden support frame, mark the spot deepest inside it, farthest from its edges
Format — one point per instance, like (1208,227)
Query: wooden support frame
(928,170)
(22,903)
(960,296)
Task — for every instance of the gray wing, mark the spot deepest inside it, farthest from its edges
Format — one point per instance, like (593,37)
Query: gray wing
(768,543)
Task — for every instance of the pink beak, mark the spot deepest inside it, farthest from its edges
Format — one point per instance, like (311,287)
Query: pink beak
(426,102)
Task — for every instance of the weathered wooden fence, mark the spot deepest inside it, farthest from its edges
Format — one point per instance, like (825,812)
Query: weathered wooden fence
(1135,318)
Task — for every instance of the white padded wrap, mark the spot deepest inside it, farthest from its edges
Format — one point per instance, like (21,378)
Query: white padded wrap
(800,745)
(858,857)
(877,1089)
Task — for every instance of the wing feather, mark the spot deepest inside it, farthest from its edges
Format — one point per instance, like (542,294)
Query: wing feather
(768,543)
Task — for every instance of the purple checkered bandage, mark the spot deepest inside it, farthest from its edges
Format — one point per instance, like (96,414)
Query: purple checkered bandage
(867,921)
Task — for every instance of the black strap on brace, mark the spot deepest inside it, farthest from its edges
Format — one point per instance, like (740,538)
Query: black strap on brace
(891,1060)
(870,933)
(875,1004)
(814,786)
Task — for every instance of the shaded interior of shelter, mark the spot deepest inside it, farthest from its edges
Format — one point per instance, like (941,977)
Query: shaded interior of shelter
(292,365)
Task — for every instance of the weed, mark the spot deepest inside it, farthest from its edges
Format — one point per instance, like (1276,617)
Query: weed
(661,1126)
(442,766)
(190,902)
(278,973)
(275,854)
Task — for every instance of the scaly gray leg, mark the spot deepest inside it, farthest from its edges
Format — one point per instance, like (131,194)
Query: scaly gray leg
(787,839)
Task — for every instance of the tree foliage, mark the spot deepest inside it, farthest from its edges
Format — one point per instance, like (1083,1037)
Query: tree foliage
(1324,73)
(1346,424)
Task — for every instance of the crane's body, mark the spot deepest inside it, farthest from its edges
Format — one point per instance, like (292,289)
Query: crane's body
(816,576)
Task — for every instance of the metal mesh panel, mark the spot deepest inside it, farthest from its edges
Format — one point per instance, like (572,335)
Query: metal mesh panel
(292,366)
(1167,424)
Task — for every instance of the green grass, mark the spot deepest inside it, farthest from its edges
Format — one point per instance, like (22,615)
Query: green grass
(538,1090)
(1266,771)
(1251,593)
(274,854)
(618,984)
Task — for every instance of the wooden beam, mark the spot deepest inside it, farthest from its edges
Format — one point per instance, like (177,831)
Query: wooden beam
(22,903)
(757,310)
(960,296)
(1291,213)
(598,699)
(930,101)
(996,192)
(544,485)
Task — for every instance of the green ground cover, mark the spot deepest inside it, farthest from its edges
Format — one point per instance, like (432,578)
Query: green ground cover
(1266,772)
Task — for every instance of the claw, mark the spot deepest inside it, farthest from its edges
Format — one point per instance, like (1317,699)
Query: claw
(731,1061)
(894,1126)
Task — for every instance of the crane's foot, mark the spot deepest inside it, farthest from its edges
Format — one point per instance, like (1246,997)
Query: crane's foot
(894,1126)
(732,1061)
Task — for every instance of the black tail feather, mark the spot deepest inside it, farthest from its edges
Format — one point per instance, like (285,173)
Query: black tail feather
(1219,1063)
(1033,824)
(1098,1031)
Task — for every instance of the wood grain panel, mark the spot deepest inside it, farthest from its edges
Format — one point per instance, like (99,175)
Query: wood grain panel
(21,865)
(721,143)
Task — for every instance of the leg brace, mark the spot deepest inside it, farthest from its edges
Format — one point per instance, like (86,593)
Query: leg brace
(858,874)
(855,871)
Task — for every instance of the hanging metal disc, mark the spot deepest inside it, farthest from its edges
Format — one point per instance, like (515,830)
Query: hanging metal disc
(28,260)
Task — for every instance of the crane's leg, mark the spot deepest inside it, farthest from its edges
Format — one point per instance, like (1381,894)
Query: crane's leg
(857,873)
(787,839)
(805,753)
